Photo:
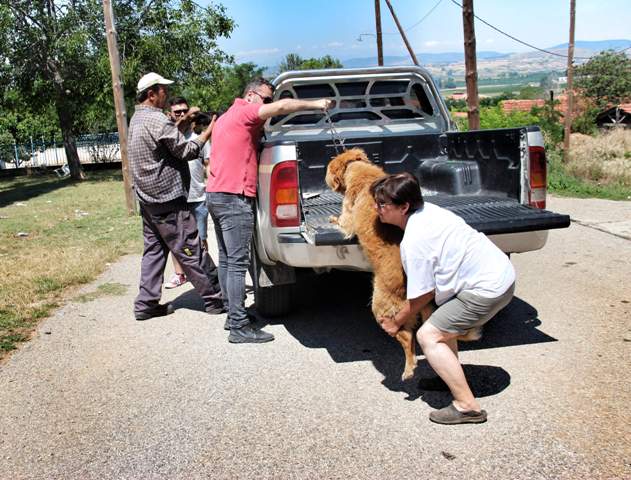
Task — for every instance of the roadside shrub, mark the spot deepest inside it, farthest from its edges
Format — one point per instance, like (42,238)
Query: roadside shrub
(602,158)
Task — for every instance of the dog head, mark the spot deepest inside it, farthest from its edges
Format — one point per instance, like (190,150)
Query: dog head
(336,169)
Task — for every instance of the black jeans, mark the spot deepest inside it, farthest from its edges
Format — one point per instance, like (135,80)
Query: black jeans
(233,216)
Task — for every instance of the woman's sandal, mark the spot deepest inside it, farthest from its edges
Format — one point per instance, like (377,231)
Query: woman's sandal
(450,415)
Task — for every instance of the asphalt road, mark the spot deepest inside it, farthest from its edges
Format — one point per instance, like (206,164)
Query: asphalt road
(98,395)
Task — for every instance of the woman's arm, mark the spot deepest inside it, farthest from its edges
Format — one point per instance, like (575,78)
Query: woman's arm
(410,310)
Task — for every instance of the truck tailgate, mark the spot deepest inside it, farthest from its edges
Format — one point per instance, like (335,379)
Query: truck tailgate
(487,214)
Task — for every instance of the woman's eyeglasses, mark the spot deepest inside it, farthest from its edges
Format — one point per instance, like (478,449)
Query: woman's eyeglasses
(381,205)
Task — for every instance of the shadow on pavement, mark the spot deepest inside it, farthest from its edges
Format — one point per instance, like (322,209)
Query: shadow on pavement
(333,312)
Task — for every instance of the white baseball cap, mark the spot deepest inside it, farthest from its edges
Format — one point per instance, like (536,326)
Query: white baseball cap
(150,80)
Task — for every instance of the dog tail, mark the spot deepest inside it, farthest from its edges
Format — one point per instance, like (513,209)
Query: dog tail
(472,335)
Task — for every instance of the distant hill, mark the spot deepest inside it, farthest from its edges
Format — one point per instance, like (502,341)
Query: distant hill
(424,58)
(582,49)
(596,46)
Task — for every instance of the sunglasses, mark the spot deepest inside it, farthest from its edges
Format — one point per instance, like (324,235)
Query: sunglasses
(184,111)
(265,99)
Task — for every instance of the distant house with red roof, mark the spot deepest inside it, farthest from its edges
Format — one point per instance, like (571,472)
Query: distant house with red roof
(510,106)
(579,105)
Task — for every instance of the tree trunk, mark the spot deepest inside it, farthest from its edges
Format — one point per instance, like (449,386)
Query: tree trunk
(64,112)
(70,142)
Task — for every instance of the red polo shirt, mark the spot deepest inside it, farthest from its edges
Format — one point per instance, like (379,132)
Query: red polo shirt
(233,151)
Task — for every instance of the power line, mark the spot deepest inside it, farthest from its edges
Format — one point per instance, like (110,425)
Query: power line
(429,12)
(518,40)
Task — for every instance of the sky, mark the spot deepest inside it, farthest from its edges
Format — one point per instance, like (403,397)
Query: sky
(268,30)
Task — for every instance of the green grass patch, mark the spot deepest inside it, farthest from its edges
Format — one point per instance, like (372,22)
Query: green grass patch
(74,229)
(112,289)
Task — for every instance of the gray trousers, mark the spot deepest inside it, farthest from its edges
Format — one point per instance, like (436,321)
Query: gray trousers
(233,216)
(172,228)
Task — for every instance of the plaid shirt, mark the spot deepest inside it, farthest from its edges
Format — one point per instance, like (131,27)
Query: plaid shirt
(158,156)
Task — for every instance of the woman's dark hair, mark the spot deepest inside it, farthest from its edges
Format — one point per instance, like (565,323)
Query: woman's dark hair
(398,189)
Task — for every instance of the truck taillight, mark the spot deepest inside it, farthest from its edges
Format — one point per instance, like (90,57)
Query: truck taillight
(284,195)
(538,177)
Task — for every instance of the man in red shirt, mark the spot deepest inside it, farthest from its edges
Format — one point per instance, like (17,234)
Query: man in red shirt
(231,191)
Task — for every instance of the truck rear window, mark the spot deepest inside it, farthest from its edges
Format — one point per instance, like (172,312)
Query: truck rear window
(377,101)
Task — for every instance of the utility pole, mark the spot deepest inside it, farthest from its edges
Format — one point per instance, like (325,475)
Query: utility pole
(471,65)
(119,103)
(405,39)
(378,28)
(568,89)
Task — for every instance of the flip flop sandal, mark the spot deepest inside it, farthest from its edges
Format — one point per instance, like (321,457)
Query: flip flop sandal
(450,415)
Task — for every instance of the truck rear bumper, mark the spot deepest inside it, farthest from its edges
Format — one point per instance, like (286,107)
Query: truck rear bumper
(297,252)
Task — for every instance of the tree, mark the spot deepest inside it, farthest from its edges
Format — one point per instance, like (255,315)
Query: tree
(293,61)
(57,54)
(228,84)
(529,92)
(605,78)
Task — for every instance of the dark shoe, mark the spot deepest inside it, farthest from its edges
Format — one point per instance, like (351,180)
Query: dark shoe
(247,334)
(160,311)
(226,324)
(215,308)
(450,415)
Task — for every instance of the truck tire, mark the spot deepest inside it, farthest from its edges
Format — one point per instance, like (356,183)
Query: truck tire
(271,300)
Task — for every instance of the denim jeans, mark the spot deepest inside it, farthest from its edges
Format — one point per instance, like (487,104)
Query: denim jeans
(233,216)
(201,216)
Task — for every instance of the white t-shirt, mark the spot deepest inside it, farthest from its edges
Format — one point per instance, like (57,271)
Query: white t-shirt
(441,252)
(197,190)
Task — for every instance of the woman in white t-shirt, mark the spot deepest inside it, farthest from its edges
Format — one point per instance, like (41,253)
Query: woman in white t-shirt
(447,261)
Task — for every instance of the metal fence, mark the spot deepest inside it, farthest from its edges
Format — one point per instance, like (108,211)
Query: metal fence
(94,148)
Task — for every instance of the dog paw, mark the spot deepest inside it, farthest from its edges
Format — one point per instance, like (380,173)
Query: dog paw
(408,373)
(333,219)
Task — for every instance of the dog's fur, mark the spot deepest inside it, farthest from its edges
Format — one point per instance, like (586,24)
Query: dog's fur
(351,174)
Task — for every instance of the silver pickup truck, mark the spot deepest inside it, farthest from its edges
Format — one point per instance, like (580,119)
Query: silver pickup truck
(494,179)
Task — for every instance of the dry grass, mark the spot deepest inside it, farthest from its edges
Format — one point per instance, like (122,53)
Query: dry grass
(73,230)
(605,158)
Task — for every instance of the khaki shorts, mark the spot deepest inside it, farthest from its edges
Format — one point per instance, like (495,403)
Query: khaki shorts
(467,310)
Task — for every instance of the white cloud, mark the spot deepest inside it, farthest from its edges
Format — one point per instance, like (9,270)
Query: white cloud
(431,43)
(489,40)
(334,44)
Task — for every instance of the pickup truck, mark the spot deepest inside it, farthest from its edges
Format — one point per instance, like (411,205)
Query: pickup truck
(494,179)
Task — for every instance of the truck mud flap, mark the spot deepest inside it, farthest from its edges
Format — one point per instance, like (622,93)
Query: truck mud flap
(487,214)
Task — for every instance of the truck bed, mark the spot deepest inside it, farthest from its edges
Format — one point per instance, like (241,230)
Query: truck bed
(487,214)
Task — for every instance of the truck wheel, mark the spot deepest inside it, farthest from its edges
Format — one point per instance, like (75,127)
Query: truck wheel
(271,300)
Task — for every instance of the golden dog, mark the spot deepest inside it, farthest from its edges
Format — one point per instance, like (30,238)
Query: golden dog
(351,174)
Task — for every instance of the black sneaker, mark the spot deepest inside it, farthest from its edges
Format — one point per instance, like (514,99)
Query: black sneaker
(160,311)
(247,334)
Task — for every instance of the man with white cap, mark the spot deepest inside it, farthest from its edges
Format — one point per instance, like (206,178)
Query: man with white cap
(158,157)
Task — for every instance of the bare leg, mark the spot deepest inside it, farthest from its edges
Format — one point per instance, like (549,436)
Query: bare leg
(176,266)
(453,345)
(444,360)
